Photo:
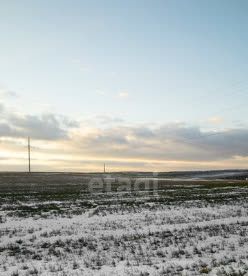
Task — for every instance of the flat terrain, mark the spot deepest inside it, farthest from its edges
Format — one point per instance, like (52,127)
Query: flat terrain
(57,224)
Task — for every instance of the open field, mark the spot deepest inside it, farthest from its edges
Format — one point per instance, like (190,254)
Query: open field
(53,224)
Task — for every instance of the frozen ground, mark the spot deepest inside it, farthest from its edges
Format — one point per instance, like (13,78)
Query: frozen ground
(53,225)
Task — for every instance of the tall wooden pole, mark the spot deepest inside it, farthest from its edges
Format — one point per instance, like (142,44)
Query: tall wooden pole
(29,163)
(104,168)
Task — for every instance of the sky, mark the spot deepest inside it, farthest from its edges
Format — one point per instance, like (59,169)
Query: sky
(140,85)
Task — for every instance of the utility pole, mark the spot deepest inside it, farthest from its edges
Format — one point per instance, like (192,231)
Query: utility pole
(29,163)
(104,168)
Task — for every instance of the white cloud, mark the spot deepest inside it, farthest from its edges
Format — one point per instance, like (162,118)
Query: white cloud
(123,94)
(82,67)
(5,93)
(114,139)
(100,92)
(216,120)
(47,126)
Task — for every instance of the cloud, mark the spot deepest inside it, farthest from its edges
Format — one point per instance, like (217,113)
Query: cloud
(1,108)
(47,126)
(82,67)
(6,131)
(112,139)
(100,92)
(168,142)
(216,120)
(123,94)
(5,93)
(106,120)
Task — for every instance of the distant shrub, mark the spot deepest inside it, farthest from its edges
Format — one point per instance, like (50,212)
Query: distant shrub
(205,270)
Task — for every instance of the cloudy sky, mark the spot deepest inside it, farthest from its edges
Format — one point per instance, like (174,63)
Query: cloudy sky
(141,85)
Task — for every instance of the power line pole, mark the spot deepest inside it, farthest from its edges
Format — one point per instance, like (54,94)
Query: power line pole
(104,168)
(29,163)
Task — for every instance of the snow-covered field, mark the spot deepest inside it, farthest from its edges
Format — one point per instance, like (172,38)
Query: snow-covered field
(190,229)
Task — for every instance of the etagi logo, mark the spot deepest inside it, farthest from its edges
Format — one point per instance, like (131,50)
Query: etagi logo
(109,183)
